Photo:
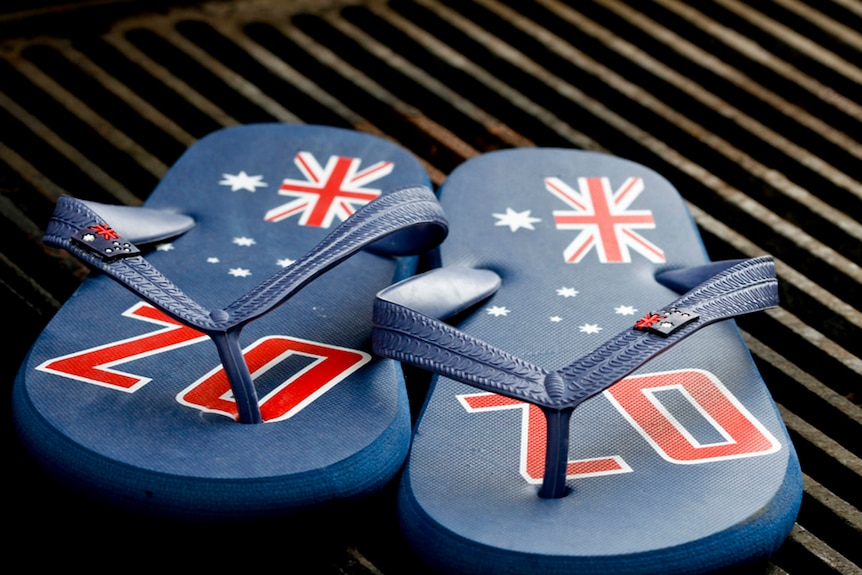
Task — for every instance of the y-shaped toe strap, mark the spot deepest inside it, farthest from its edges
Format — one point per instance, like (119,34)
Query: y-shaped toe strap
(83,232)
(413,337)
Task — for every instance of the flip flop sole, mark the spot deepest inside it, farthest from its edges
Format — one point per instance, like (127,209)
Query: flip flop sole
(683,467)
(130,406)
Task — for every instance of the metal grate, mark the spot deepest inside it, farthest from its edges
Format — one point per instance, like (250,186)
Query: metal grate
(753,113)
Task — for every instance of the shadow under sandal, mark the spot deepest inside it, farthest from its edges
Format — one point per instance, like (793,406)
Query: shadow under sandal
(300,417)
(655,452)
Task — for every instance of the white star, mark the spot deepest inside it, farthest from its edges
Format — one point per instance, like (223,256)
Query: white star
(556,318)
(284,262)
(590,328)
(239,272)
(242,181)
(497,310)
(213,260)
(516,220)
(625,310)
(164,247)
(244,241)
(567,292)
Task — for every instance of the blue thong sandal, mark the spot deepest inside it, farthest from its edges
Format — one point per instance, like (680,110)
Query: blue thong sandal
(123,397)
(654,452)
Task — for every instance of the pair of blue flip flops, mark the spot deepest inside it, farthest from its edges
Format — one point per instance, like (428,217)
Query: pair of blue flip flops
(653,452)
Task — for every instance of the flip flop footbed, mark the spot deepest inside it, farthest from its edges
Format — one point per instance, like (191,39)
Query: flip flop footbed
(683,466)
(128,404)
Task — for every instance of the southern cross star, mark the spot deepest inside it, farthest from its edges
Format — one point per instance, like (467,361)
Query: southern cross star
(243,241)
(497,310)
(625,310)
(516,220)
(242,181)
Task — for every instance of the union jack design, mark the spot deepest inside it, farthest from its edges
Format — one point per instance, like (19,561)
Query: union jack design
(604,220)
(104,230)
(327,191)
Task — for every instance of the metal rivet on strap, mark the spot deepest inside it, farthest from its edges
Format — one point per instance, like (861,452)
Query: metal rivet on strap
(665,322)
(105,242)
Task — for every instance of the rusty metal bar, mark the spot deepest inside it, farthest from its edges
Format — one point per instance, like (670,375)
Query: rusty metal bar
(759,54)
(117,38)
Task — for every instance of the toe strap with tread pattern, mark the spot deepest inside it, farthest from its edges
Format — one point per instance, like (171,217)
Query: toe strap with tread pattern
(76,227)
(415,338)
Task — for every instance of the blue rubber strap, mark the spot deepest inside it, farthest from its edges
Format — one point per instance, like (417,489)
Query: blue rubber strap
(409,336)
(443,292)
(412,337)
(80,230)
(141,225)
(683,279)
(746,287)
